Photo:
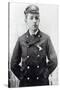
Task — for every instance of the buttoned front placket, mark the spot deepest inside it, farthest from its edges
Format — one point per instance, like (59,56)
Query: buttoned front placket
(30,41)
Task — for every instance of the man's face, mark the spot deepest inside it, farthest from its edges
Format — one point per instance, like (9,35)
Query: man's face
(32,21)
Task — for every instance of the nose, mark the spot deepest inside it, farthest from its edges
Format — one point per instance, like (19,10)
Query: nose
(34,20)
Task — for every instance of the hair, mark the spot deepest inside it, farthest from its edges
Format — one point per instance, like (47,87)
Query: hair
(31,8)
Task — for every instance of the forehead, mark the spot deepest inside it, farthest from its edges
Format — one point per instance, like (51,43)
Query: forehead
(32,15)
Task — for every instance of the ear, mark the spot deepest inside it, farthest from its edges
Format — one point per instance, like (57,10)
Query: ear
(39,19)
(25,20)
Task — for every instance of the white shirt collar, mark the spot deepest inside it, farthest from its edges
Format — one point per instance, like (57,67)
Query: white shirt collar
(33,33)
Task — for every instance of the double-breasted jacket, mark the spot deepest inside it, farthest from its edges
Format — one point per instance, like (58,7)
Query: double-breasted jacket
(32,52)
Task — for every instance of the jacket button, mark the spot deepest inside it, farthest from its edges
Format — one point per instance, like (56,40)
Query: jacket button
(37,78)
(28,67)
(27,56)
(38,66)
(38,55)
(27,36)
(27,46)
(38,35)
(28,78)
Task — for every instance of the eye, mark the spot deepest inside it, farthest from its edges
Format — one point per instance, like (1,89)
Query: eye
(36,17)
(31,17)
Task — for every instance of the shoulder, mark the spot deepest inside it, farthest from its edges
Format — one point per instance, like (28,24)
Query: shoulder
(47,39)
(22,37)
(45,36)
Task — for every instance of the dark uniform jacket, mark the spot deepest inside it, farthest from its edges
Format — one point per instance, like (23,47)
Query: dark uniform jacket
(32,52)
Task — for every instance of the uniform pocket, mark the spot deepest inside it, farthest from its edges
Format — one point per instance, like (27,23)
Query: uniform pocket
(46,73)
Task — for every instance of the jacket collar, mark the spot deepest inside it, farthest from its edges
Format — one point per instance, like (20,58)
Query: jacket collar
(30,40)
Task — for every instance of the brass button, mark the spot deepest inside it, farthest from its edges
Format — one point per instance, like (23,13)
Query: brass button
(38,55)
(28,78)
(38,66)
(27,46)
(27,36)
(28,67)
(37,78)
(38,35)
(27,56)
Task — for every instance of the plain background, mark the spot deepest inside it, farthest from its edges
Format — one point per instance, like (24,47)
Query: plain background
(4,43)
(48,24)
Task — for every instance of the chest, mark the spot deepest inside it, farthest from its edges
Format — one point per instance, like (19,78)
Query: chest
(36,50)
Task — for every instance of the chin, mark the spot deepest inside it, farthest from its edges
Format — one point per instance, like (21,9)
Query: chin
(35,29)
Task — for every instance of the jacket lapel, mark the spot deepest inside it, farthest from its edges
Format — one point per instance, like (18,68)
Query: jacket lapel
(31,40)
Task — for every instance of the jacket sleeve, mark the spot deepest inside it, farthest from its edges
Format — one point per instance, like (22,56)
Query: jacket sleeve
(16,59)
(51,54)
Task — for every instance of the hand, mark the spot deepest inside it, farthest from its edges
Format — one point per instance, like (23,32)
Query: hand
(46,73)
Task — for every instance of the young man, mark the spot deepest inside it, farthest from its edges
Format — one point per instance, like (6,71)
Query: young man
(31,50)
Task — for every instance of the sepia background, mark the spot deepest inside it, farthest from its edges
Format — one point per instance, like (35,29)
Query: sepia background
(48,24)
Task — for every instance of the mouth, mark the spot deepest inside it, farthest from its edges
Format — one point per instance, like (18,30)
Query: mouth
(35,26)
